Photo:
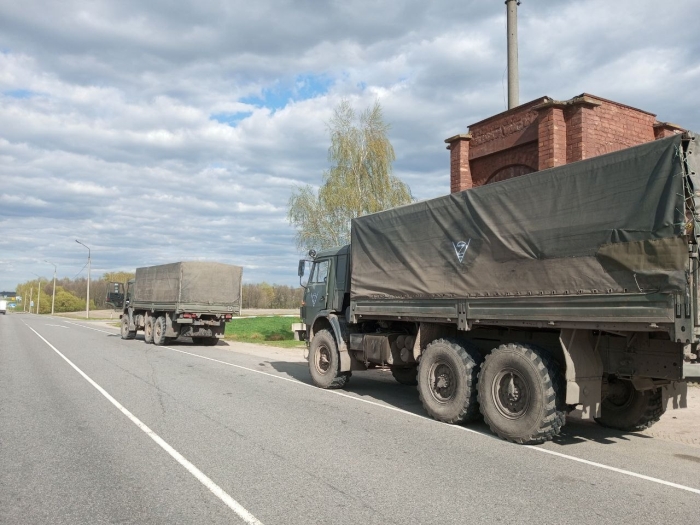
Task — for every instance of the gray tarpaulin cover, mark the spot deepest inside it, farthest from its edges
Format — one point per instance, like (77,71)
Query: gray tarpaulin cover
(613,222)
(189,282)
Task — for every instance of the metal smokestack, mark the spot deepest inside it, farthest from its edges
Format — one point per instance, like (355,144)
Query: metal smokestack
(513,82)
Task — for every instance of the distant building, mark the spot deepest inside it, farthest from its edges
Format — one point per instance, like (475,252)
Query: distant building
(545,133)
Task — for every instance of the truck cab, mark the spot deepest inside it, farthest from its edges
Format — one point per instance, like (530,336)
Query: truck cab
(327,290)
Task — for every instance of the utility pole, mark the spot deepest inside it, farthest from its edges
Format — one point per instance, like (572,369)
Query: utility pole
(31,296)
(513,78)
(87,304)
(53,295)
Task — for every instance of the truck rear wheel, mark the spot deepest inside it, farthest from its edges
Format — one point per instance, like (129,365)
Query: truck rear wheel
(125,332)
(159,331)
(625,408)
(148,330)
(406,376)
(447,376)
(324,362)
(520,394)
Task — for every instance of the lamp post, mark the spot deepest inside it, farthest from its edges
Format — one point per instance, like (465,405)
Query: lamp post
(87,303)
(53,295)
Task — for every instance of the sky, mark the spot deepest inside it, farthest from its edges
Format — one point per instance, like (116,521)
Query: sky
(155,132)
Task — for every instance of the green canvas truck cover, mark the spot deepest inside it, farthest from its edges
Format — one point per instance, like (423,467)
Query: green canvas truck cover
(615,223)
(205,283)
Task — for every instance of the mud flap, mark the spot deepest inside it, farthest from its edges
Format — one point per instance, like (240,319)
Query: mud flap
(584,371)
(674,395)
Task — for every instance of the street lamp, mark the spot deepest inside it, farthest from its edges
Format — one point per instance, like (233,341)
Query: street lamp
(53,295)
(87,304)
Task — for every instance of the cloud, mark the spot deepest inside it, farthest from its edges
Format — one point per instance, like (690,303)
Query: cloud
(156,134)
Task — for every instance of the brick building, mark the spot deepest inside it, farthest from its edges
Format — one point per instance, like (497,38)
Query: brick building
(545,133)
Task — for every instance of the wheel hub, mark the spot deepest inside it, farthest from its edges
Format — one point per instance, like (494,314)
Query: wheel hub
(511,394)
(323,360)
(620,394)
(442,382)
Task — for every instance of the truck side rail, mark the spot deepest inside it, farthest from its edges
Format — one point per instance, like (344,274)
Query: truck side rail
(647,312)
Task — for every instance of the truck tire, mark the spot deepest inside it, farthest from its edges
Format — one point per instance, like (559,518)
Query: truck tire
(625,408)
(159,331)
(324,362)
(406,376)
(447,376)
(125,332)
(148,330)
(521,394)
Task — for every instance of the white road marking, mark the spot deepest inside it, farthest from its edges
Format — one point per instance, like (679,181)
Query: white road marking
(465,429)
(91,328)
(231,503)
(58,325)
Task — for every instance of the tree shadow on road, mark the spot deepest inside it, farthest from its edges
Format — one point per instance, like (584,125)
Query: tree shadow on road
(579,431)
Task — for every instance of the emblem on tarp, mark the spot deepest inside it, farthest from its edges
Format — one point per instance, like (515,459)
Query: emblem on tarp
(461,248)
(314,298)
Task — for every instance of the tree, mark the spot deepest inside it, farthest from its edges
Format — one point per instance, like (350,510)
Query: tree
(359,181)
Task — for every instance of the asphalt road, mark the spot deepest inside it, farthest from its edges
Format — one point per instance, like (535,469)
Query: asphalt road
(94,429)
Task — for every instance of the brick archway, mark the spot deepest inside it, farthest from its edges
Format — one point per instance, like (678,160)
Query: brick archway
(508,172)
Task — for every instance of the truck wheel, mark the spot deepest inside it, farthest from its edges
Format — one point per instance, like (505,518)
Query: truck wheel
(324,362)
(148,330)
(521,394)
(125,332)
(447,376)
(406,376)
(159,331)
(625,408)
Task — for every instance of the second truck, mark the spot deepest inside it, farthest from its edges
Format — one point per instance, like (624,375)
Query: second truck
(189,299)
(573,288)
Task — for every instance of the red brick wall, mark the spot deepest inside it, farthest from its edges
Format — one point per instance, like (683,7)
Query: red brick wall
(485,169)
(551,138)
(596,130)
(545,133)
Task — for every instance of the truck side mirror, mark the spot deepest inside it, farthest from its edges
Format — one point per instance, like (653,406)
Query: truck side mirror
(302,268)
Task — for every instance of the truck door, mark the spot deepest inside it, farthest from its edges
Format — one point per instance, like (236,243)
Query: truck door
(316,296)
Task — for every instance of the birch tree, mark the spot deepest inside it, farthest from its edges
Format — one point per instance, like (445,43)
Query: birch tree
(359,181)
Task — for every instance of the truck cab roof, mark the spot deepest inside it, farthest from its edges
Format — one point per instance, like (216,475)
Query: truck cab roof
(340,250)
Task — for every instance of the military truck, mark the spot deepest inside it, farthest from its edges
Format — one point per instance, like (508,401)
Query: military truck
(572,288)
(189,299)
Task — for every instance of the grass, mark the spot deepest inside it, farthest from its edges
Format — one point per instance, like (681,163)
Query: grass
(273,331)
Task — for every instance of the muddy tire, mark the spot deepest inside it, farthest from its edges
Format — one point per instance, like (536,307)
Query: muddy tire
(447,376)
(148,330)
(159,331)
(521,394)
(324,362)
(625,408)
(124,329)
(406,376)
